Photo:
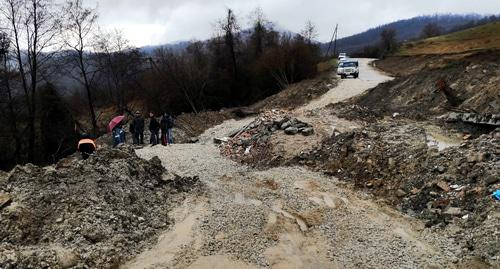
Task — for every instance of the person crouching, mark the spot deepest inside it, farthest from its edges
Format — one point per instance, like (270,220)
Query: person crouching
(86,146)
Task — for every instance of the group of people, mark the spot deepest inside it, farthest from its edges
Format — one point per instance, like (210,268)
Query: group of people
(161,132)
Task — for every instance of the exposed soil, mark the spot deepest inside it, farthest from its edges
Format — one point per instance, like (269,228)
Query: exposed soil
(86,214)
(433,85)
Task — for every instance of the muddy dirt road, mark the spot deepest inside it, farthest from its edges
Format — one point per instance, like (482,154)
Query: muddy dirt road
(285,217)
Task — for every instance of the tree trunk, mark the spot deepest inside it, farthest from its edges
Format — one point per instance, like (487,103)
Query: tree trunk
(12,115)
(89,93)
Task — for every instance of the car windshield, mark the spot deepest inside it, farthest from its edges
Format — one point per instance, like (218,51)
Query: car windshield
(348,64)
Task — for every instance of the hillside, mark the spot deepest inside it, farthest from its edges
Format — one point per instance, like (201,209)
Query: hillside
(478,38)
(407,29)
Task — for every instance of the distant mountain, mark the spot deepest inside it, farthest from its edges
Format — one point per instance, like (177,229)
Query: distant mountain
(406,30)
(175,46)
(181,45)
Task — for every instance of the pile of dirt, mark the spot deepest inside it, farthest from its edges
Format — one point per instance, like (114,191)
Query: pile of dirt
(298,94)
(253,142)
(397,161)
(467,84)
(354,112)
(95,213)
(192,125)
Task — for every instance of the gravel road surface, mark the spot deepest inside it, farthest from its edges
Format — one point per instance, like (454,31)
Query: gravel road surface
(285,217)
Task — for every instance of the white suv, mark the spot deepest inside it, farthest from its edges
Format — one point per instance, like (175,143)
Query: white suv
(348,67)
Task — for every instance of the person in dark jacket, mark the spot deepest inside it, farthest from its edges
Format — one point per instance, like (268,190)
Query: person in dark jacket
(154,128)
(163,128)
(138,128)
(118,135)
(170,126)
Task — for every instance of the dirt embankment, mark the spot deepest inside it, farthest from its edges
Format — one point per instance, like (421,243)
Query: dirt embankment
(86,214)
(433,85)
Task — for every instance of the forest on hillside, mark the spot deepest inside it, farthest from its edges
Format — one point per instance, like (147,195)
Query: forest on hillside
(60,73)
(411,29)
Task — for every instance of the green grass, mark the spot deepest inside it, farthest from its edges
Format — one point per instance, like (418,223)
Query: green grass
(483,37)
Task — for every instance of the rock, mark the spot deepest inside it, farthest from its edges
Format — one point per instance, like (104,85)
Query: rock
(193,140)
(285,125)
(5,200)
(453,211)
(400,193)
(67,258)
(443,185)
(308,131)
(441,169)
(391,162)
(220,140)
(491,180)
(291,131)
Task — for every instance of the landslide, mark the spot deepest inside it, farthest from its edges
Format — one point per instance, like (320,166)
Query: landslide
(94,213)
(433,85)
(445,187)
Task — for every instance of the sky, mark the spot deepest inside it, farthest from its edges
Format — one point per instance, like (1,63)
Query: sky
(155,22)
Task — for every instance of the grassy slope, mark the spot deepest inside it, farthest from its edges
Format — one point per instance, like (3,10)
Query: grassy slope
(475,39)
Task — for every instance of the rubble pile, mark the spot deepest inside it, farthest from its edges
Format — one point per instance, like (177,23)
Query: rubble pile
(87,214)
(475,118)
(252,142)
(394,161)
(351,111)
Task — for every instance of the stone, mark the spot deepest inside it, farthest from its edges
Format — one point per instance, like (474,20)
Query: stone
(453,211)
(308,131)
(443,185)
(492,180)
(66,258)
(285,125)
(5,200)
(400,193)
(441,169)
(291,131)
(220,140)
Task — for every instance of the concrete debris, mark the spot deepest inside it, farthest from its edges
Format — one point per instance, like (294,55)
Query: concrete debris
(253,140)
(474,118)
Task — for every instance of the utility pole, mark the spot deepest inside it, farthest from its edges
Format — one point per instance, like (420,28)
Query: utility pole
(333,40)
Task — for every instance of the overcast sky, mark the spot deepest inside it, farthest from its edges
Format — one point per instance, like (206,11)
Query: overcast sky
(153,22)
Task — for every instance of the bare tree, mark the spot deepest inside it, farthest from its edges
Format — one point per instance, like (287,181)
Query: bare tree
(230,28)
(119,65)
(259,22)
(78,29)
(7,74)
(33,27)
(388,40)
(309,32)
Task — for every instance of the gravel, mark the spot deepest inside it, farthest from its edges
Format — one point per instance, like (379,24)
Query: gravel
(291,217)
